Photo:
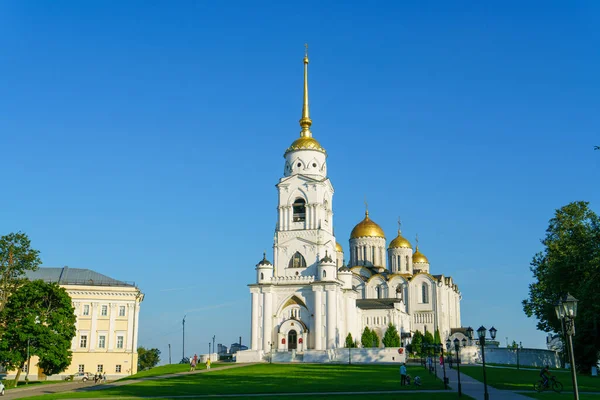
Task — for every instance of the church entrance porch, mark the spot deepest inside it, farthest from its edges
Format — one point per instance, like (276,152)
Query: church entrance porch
(292,335)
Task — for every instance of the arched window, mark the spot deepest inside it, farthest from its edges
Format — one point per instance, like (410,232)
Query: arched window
(398,267)
(425,293)
(378,291)
(406,263)
(262,276)
(297,261)
(324,274)
(299,210)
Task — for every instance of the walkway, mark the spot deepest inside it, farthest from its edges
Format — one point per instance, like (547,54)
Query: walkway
(475,389)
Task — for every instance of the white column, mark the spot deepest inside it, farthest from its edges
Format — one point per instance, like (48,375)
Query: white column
(254,323)
(92,339)
(318,321)
(279,218)
(267,318)
(331,317)
(136,310)
(130,317)
(112,307)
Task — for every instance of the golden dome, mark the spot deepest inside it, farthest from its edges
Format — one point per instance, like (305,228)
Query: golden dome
(338,247)
(419,257)
(305,143)
(400,241)
(367,228)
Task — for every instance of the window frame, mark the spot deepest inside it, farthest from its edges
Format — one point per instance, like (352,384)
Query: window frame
(104,310)
(122,311)
(83,340)
(101,341)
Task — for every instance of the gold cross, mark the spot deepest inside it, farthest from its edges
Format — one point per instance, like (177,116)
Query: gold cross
(305,49)
(399,224)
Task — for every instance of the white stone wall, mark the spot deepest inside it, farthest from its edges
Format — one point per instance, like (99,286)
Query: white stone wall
(368,251)
(400,260)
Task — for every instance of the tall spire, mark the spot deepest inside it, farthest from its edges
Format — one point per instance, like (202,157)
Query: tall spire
(305,121)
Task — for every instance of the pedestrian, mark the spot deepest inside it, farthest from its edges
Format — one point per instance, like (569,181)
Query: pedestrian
(208,362)
(104,377)
(403,374)
(196,359)
(96,378)
(441,361)
(192,365)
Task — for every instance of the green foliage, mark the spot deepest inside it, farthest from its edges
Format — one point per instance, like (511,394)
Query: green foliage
(570,262)
(147,358)
(417,342)
(437,338)
(375,339)
(350,342)
(391,337)
(428,338)
(16,257)
(42,314)
(366,340)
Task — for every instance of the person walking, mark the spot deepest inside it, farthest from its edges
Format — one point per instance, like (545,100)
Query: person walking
(104,377)
(208,362)
(403,374)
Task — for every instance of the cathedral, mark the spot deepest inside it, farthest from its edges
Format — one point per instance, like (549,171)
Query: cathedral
(307,299)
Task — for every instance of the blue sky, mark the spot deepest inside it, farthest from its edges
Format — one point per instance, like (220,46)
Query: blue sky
(143,140)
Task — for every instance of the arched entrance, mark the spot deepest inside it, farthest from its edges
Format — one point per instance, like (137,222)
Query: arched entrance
(292,340)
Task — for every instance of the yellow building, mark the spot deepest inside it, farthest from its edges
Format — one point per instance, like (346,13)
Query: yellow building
(107,313)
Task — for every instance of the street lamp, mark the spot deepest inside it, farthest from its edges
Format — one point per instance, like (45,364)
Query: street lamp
(481,333)
(457,349)
(566,311)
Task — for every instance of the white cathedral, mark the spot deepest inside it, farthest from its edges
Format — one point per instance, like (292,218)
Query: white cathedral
(308,300)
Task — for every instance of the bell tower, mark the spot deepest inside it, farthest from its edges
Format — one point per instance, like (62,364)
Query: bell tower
(304,231)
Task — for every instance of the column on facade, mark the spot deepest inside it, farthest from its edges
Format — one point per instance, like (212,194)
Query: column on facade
(111,326)
(318,321)
(130,319)
(94,326)
(254,321)
(331,317)
(267,318)
(136,316)
(279,218)
(77,307)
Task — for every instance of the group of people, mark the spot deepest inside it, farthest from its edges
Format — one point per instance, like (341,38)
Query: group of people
(194,362)
(405,378)
(100,377)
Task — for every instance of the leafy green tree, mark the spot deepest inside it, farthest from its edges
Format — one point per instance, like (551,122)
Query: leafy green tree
(39,313)
(374,339)
(350,342)
(428,338)
(417,343)
(437,338)
(366,339)
(569,263)
(16,257)
(391,337)
(147,358)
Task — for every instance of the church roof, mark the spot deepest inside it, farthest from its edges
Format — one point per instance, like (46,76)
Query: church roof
(376,304)
(74,276)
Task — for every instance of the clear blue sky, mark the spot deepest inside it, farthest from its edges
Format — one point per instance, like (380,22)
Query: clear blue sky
(143,140)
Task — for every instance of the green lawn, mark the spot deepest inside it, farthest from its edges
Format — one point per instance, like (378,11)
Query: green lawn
(169,369)
(513,379)
(274,378)
(565,395)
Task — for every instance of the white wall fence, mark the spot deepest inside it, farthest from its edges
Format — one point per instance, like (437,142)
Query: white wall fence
(502,355)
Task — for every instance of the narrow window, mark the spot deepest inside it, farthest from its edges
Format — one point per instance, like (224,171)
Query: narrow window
(373,255)
(119,342)
(118,368)
(81,368)
(365,255)
(425,293)
(100,368)
(262,276)
(83,341)
(324,274)
(121,311)
(104,311)
(378,291)
(297,261)
(399,264)
(299,210)
(406,265)
(86,309)
(101,341)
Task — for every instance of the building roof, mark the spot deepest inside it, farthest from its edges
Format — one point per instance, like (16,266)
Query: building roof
(376,304)
(74,276)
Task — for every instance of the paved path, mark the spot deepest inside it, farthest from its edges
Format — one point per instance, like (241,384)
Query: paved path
(475,389)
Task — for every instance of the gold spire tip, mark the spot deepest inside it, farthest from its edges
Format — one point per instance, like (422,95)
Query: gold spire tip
(305,121)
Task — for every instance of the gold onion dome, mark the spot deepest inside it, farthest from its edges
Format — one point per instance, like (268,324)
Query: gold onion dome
(400,242)
(338,247)
(419,257)
(367,228)
(305,143)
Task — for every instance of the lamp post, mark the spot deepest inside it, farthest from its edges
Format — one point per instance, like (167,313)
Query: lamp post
(457,349)
(481,333)
(566,310)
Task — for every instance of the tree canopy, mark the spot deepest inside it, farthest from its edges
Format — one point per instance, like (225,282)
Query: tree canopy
(569,263)
(42,314)
(391,337)
(147,358)
(417,342)
(369,338)
(437,338)
(349,341)
(16,257)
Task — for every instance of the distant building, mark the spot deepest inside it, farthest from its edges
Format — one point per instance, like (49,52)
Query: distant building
(107,313)
(235,347)
(221,349)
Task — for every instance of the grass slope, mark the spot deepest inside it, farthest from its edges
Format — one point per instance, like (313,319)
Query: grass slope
(272,378)
(169,369)
(513,379)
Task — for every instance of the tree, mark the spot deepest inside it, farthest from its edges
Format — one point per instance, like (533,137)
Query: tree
(391,337)
(147,358)
(374,339)
(437,339)
(569,263)
(428,338)
(16,257)
(39,313)
(417,343)
(350,342)
(366,340)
